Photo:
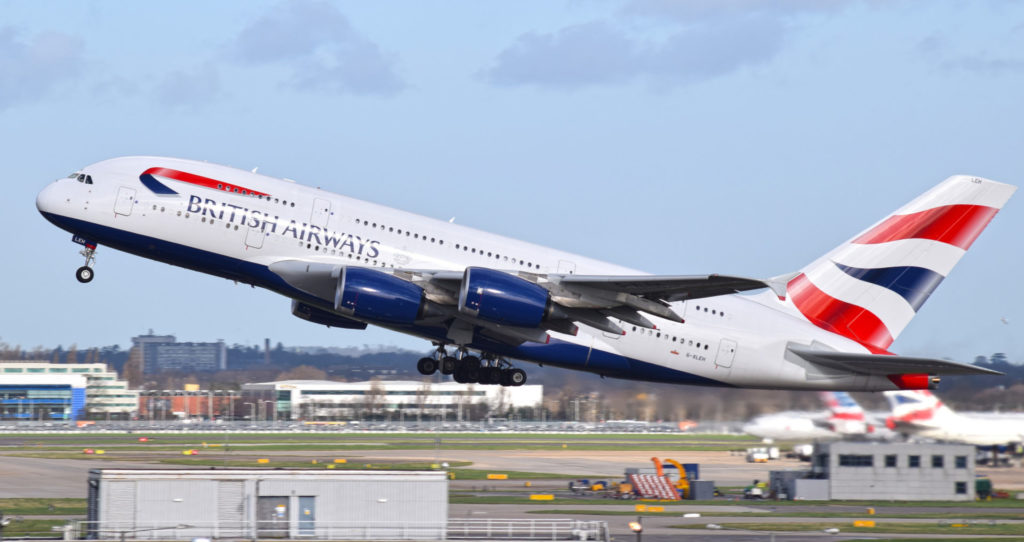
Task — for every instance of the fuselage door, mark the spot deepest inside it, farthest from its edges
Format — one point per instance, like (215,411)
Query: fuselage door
(321,212)
(254,238)
(726,353)
(125,201)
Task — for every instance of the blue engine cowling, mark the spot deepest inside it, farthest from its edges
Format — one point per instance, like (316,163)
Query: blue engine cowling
(372,295)
(316,315)
(502,298)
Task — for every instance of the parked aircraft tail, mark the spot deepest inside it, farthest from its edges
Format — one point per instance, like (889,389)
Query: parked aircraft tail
(916,407)
(846,416)
(870,287)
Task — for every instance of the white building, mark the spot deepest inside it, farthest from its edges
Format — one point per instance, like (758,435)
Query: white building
(105,395)
(322,399)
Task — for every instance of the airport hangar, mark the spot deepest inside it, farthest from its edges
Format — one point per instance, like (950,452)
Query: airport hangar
(321,399)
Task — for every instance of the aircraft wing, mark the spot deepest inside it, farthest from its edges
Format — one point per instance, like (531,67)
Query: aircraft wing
(664,287)
(874,364)
(590,300)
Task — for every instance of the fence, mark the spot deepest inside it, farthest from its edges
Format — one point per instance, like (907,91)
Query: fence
(455,529)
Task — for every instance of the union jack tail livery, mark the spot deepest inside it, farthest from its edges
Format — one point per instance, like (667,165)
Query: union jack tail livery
(915,407)
(870,287)
(846,415)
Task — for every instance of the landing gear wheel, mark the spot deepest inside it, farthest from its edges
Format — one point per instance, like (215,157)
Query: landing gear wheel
(516,377)
(84,274)
(505,377)
(426,366)
(448,365)
(490,375)
(471,373)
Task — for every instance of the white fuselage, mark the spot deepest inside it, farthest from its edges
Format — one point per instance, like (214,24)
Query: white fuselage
(731,340)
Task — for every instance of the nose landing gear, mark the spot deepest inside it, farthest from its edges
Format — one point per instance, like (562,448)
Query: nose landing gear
(85,273)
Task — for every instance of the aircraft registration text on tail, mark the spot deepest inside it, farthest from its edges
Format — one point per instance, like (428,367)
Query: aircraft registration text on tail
(485,300)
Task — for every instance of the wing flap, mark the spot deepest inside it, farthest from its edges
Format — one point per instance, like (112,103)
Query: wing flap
(874,364)
(664,287)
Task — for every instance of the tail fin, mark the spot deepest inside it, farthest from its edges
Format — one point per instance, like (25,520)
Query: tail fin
(846,415)
(870,287)
(916,407)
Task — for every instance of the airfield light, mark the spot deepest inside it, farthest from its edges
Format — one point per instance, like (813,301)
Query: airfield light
(637,527)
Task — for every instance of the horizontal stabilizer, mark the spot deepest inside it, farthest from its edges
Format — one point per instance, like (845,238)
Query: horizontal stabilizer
(874,364)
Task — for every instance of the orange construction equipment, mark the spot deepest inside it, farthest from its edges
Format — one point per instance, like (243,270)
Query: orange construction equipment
(683,485)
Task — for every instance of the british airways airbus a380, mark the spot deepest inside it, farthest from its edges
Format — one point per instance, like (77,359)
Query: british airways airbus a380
(484,300)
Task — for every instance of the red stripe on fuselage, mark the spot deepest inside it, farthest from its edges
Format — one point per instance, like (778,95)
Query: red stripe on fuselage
(199,180)
(957,225)
(837,316)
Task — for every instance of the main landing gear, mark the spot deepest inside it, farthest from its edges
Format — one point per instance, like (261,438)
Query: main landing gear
(85,273)
(468,369)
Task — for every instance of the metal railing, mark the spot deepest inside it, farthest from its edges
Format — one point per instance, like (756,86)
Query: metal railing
(452,529)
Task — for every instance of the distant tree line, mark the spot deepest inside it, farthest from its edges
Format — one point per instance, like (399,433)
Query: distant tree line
(569,395)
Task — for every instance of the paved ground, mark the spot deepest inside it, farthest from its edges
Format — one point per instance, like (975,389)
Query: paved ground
(33,477)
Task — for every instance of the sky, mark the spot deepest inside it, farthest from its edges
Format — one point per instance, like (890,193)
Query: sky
(677,137)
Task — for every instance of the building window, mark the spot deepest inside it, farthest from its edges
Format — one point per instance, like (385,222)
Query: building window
(914,461)
(851,460)
(961,488)
(890,460)
(937,461)
(961,461)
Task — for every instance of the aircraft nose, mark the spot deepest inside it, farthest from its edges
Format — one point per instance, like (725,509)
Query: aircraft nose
(48,199)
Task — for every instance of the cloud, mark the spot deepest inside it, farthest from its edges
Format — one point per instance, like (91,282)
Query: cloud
(985,64)
(581,55)
(32,69)
(322,49)
(696,40)
(936,49)
(690,11)
(185,89)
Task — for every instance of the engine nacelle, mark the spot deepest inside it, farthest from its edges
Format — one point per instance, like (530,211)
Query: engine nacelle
(502,298)
(310,313)
(373,295)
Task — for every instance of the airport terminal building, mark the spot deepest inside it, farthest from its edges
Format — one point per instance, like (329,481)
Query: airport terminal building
(42,391)
(327,400)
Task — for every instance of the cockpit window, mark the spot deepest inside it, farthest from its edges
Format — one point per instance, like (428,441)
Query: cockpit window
(88,179)
(81,177)
(73,175)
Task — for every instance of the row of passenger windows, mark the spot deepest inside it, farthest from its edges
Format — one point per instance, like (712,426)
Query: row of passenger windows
(247,192)
(714,312)
(458,246)
(672,338)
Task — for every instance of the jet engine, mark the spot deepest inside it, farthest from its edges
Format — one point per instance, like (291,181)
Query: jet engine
(505,299)
(310,313)
(373,295)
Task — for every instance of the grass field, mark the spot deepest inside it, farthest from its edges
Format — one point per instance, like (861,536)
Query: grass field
(42,507)
(939,528)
